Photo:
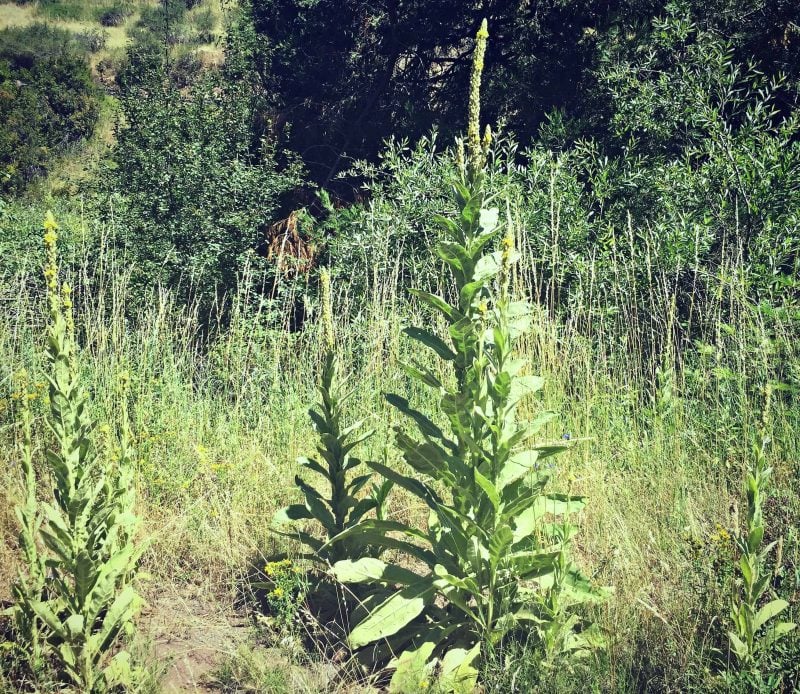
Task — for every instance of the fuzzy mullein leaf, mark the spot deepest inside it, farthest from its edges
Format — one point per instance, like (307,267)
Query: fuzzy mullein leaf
(393,614)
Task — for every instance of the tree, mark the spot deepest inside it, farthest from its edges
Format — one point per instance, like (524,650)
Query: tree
(196,185)
(47,101)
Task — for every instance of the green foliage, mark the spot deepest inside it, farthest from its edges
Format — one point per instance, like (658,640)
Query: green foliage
(196,189)
(47,101)
(114,15)
(495,555)
(287,587)
(75,601)
(756,629)
(342,508)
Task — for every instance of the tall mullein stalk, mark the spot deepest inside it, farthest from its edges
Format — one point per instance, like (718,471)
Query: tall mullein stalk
(491,544)
(29,586)
(755,628)
(340,503)
(88,526)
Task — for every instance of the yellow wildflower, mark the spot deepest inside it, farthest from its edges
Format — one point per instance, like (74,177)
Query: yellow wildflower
(50,223)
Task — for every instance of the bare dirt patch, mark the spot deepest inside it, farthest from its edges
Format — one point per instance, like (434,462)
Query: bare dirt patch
(192,634)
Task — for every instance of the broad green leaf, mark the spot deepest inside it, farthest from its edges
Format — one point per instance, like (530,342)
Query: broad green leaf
(422,374)
(368,569)
(754,538)
(293,512)
(376,532)
(430,340)
(116,617)
(499,544)
(458,672)
(317,506)
(393,614)
(413,672)
(770,610)
(558,505)
(436,302)
(487,267)
(537,564)
(417,488)
(522,386)
(739,647)
(488,219)
(425,425)
(488,487)
(46,614)
(539,421)
(776,633)
(447,224)
(516,467)
(74,627)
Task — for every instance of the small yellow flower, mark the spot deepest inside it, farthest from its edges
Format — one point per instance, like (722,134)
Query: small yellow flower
(483,307)
(277,593)
(50,222)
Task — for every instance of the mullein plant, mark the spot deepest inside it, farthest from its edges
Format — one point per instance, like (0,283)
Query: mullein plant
(29,586)
(343,499)
(494,559)
(755,625)
(75,599)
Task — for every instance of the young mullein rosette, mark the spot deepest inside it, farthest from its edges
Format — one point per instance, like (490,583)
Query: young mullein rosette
(338,504)
(494,540)
(87,528)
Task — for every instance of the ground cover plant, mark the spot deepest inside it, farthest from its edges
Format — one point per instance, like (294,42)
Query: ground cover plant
(622,280)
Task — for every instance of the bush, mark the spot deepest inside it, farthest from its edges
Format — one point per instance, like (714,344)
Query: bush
(93,40)
(47,101)
(196,189)
(114,16)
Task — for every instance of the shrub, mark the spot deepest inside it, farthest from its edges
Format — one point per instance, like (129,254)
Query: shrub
(47,101)
(114,16)
(196,189)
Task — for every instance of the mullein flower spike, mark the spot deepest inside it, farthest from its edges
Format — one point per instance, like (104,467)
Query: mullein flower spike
(474,146)
(327,308)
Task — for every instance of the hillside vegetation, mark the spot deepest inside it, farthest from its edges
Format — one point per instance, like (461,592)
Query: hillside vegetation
(356,347)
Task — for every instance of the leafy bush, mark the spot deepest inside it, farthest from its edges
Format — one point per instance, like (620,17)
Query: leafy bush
(47,101)
(114,16)
(196,190)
